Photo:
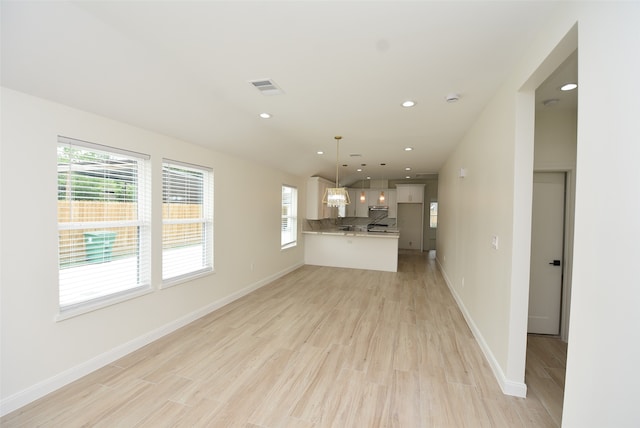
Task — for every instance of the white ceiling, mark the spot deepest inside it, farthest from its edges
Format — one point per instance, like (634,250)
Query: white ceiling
(182,69)
(550,91)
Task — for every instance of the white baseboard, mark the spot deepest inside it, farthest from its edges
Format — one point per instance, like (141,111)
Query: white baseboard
(508,387)
(47,386)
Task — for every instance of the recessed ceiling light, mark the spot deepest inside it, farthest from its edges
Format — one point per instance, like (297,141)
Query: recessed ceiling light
(408,103)
(407,169)
(359,169)
(265,115)
(568,86)
(368,178)
(320,152)
(408,149)
(408,176)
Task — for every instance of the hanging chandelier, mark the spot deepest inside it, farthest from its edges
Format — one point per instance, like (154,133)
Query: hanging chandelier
(336,196)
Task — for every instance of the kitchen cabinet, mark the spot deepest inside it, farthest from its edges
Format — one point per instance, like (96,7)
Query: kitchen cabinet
(362,208)
(410,193)
(316,210)
(373,197)
(350,210)
(358,208)
(392,201)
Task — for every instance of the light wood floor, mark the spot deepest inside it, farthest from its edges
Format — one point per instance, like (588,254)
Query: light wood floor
(545,371)
(320,347)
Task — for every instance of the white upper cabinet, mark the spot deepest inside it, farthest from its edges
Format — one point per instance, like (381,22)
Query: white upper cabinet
(350,210)
(361,207)
(392,201)
(373,197)
(316,210)
(412,193)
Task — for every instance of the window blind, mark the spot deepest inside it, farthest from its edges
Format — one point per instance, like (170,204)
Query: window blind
(103,222)
(187,220)
(288,234)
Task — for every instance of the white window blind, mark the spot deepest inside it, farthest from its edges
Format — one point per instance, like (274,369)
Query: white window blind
(103,223)
(187,220)
(288,234)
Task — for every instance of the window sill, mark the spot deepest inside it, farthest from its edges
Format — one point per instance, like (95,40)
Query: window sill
(83,308)
(185,278)
(286,247)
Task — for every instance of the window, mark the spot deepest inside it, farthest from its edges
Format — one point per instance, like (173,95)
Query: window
(103,223)
(433,215)
(289,229)
(187,221)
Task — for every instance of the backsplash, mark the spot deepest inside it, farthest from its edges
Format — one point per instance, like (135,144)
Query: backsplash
(332,223)
(325,223)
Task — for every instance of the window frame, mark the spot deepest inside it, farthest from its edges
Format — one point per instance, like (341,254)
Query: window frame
(433,218)
(142,222)
(291,216)
(206,220)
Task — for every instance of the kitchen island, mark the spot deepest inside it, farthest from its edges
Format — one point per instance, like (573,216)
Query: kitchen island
(352,249)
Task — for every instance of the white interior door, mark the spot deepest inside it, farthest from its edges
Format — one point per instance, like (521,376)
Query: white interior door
(547,241)
(410,225)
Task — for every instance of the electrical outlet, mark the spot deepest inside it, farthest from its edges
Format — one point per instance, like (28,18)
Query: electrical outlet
(463,282)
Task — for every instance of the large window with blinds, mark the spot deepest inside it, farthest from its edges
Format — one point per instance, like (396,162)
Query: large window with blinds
(187,221)
(289,220)
(103,224)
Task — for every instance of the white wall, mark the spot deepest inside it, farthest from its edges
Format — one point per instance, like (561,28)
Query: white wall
(472,210)
(603,370)
(555,139)
(38,353)
(495,198)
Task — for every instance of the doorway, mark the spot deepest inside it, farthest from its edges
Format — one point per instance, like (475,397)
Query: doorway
(547,253)
(555,153)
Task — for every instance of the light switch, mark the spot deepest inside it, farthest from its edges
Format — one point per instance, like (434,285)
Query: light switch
(494,242)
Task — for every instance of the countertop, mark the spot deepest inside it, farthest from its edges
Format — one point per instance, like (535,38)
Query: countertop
(389,233)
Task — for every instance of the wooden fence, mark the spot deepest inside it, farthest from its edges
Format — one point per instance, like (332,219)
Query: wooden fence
(126,240)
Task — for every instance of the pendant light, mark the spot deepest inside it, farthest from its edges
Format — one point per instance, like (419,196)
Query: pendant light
(381,198)
(336,196)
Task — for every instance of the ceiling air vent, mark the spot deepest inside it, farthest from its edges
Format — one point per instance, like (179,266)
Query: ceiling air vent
(266,87)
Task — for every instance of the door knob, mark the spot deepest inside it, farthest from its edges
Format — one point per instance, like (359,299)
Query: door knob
(555,263)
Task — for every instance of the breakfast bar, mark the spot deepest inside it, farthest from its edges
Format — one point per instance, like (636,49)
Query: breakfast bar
(352,249)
